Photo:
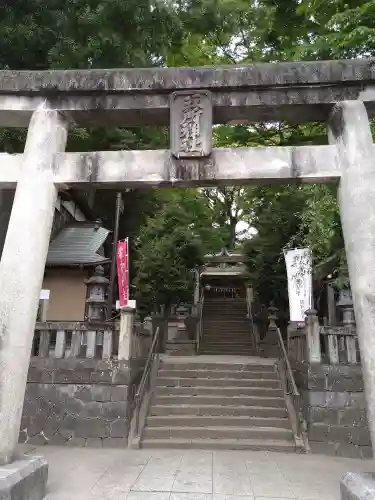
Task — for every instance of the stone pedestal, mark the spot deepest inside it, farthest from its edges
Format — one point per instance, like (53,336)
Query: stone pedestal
(159,321)
(173,324)
(180,345)
(24,479)
(358,486)
(191,323)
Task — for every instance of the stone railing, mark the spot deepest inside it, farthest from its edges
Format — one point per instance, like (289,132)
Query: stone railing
(332,345)
(99,340)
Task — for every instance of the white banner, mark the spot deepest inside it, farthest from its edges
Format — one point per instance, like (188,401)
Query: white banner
(299,271)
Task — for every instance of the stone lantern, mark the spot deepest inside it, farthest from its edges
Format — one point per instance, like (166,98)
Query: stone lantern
(97,287)
(345,303)
(272,317)
(269,344)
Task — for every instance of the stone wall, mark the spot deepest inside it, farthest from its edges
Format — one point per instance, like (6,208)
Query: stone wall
(78,402)
(335,409)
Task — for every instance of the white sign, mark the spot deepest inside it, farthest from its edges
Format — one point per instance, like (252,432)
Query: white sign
(299,271)
(131,303)
(44,294)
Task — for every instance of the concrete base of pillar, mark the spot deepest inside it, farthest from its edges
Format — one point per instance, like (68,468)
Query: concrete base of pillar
(358,486)
(24,479)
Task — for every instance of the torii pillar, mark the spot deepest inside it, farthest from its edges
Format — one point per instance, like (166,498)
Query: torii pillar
(22,266)
(349,129)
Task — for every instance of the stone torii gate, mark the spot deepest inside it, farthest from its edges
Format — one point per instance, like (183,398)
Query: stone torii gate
(342,93)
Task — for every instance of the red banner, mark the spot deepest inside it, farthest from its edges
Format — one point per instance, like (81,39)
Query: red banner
(122,260)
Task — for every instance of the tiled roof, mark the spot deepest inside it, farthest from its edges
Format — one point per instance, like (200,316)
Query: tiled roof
(78,244)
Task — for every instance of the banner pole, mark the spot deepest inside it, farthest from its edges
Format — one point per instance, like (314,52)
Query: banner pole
(113,261)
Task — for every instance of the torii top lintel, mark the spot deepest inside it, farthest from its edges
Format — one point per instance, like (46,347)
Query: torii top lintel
(293,91)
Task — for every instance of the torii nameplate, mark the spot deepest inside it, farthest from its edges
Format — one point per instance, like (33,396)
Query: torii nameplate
(191,124)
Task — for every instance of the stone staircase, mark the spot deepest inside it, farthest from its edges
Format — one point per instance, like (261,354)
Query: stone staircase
(226,328)
(236,404)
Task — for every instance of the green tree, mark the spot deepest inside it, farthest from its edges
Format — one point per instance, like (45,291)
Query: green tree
(171,244)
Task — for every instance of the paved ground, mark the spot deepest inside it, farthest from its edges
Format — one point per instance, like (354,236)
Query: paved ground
(93,474)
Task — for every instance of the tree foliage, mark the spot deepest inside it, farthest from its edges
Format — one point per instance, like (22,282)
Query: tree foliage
(170,246)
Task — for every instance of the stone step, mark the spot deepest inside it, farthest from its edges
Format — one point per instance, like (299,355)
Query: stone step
(225,346)
(217,318)
(208,299)
(218,391)
(218,327)
(230,309)
(219,432)
(216,382)
(219,400)
(221,444)
(216,421)
(226,329)
(211,326)
(229,325)
(257,365)
(227,338)
(211,351)
(225,307)
(245,341)
(239,304)
(215,374)
(228,345)
(224,312)
(217,410)
(225,301)
(219,322)
(222,315)
(229,334)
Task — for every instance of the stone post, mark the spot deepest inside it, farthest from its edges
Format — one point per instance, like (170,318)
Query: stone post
(349,130)
(331,305)
(197,287)
(22,266)
(126,332)
(345,303)
(314,354)
(249,294)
